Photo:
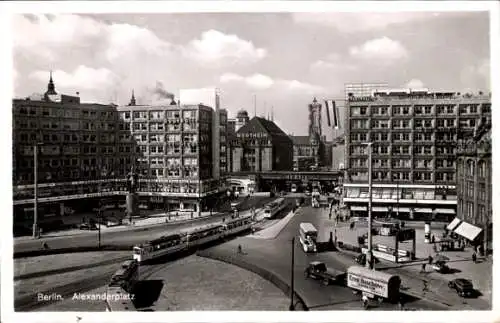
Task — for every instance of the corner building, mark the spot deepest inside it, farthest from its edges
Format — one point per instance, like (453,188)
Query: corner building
(260,145)
(86,151)
(414,137)
(474,187)
(179,167)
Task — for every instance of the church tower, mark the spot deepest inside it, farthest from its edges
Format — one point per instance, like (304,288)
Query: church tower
(51,89)
(132,99)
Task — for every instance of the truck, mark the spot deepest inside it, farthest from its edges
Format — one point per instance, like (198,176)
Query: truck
(307,236)
(374,284)
(319,271)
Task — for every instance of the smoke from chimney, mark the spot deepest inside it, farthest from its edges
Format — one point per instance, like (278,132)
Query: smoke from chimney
(161,92)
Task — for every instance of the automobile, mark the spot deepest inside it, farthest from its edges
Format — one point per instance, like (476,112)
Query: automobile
(361,259)
(88,226)
(464,287)
(319,271)
(441,267)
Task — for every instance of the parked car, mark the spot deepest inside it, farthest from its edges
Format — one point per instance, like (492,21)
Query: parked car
(464,287)
(441,267)
(88,226)
(318,270)
(361,259)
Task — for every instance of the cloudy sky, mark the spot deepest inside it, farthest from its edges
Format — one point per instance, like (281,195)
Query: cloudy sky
(284,59)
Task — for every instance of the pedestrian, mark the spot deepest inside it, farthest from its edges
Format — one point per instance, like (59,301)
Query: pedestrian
(474,257)
(433,239)
(45,245)
(365,301)
(240,250)
(434,247)
(430,260)
(423,267)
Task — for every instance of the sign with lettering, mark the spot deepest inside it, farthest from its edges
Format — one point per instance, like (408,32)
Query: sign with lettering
(367,284)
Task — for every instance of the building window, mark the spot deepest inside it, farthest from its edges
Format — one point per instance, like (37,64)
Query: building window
(470,167)
(450,123)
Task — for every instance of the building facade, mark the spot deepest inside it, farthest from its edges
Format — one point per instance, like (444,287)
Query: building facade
(474,186)
(261,145)
(414,135)
(86,150)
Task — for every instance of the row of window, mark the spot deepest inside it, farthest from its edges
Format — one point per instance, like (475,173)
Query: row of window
(469,168)
(417,124)
(402,163)
(65,112)
(420,109)
(171,114)
(404,136)
(405,176)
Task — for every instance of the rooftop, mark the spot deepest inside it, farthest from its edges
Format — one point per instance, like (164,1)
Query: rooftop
(300,140)
(415,94)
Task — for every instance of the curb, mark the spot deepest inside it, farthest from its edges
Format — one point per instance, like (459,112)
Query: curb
(46,252)
(266,274)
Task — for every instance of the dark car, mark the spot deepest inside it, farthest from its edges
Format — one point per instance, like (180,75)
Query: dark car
(88,226)
(464,287)
(441,267)
(318,270)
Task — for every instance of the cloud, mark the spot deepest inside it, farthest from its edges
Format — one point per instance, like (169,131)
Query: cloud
(82,77)
(415,84)
(477,76)
(356,22)
(214,46)
(44,35)
(124,40)
(262,82)
(381,48)
(332,61)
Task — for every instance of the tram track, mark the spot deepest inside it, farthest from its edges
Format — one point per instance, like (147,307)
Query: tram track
(30,302)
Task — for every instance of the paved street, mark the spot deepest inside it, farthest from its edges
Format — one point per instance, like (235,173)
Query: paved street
(274,254)
(132,236)
(460,262)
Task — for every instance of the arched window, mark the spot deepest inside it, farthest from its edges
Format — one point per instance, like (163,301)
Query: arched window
(470,167)
(481,168)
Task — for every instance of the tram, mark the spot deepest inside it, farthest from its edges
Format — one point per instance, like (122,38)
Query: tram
(160,247)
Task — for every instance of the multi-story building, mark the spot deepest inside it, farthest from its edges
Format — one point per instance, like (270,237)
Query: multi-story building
(86,151)
(261,145)
(80,154)
(474,187)
(413,137)
(179,165)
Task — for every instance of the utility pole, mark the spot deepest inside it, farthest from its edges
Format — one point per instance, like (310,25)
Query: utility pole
(35,207)
(369,253)
(292,306)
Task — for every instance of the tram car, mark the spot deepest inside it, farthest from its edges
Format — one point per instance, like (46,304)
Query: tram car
(160,247)
(237,225)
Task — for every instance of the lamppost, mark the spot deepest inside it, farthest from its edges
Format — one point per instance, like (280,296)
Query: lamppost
(36,231)
(369,256)
(292,306)
(99,217)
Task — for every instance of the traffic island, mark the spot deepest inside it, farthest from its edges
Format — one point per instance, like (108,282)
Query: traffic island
(239,261)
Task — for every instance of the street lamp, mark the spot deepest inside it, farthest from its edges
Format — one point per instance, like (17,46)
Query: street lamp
(292,306)
(369,255)
(36,232)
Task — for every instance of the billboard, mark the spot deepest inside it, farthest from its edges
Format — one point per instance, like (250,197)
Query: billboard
(367,284)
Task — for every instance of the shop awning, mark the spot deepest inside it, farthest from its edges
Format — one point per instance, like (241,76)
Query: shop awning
(468,231)
(380,209)
(358,208)
(445,211)
(453,224)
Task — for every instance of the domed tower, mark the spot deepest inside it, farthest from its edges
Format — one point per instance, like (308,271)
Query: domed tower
(241,119)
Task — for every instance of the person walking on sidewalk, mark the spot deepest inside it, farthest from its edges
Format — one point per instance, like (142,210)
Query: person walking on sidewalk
(474,257)
(430,259)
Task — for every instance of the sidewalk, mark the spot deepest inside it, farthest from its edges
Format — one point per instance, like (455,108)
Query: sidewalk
(152,220)
(275,227)
(412,275)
